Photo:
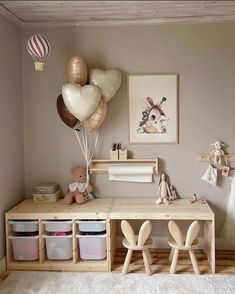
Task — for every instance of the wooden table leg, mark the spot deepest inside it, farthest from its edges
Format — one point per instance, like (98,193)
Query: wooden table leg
(209,242)
(111,235)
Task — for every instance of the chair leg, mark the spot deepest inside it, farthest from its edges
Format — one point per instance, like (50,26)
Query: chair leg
(146,262)
(194,262)
(127,262)
(171,254)
(174,261)
(149,256)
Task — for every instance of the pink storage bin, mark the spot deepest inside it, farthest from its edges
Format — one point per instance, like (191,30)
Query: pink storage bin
(92,246)
(25,248)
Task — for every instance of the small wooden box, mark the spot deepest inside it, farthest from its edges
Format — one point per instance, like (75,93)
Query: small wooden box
(52,197)
(114,154)
(46,188)
(122,154)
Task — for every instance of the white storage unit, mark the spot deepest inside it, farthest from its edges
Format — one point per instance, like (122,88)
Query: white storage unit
(91,225)
(59,247)
(58,226)
(25,248)
(24,226)
(92,246)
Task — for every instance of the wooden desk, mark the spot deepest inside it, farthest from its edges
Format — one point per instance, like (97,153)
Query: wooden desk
(180,209)
(111,210)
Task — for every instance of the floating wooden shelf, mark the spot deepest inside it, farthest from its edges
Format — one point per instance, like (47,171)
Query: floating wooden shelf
(102,165)
(209,157)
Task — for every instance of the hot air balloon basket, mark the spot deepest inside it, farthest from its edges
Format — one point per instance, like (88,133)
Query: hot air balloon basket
(39,65)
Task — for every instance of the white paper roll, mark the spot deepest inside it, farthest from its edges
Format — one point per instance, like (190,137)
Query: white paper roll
(131,170)
(125,173)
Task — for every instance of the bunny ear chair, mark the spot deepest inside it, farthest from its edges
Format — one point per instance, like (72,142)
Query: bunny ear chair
(180,242)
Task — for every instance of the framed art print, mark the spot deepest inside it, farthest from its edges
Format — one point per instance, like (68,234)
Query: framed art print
(153,108)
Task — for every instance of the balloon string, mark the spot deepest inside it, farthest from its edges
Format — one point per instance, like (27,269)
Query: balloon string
(85,145)
(80,143)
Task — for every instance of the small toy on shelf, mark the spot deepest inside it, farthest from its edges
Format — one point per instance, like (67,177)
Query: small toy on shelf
(163,191)
(173,195)
(218,152)
(79,190)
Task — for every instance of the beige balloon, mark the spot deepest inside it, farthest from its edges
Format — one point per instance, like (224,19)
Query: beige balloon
(82,102)
(97,118)
(109,81)
(76,71)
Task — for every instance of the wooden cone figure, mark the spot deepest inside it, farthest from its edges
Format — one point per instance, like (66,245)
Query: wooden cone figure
(179,242)
(141,242)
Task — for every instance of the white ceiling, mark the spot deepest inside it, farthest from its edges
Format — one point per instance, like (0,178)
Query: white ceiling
(69,13)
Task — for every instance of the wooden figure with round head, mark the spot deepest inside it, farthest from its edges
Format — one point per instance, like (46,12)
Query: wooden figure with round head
(163,191)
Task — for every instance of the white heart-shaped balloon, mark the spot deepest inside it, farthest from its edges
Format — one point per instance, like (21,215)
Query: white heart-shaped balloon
(109,81)
(81,101)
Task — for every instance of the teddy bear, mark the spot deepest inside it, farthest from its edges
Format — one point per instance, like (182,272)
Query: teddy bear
(78,190)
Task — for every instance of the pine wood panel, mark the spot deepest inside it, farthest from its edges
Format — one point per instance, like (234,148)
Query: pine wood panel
(102,165)
(225,262)
(146,208)
(62,13)
(209,157)
(95,209)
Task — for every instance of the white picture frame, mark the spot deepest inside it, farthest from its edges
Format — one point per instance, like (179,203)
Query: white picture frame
(153,108)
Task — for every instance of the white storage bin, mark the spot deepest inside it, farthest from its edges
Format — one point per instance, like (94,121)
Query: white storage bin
(24,226)
(91,225)
(59,247)
(25,248)
(58,226)
(92,246)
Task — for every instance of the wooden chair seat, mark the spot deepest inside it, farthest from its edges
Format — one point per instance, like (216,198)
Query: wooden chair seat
(174,244)
(147,244)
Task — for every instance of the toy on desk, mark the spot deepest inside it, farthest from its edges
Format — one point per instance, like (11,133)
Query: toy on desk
(179,242)
(196,199)
(79,190)
(141,242)
(163,191)
(173,194)
(117,153)
(218,152)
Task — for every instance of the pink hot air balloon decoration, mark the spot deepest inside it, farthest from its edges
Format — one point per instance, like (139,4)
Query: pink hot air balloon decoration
(39,48)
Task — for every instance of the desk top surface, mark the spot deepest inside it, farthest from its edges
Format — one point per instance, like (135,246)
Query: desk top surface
(120,208)
(95,209)
(147,209)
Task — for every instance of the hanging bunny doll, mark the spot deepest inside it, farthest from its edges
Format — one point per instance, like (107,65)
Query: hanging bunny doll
(153,118)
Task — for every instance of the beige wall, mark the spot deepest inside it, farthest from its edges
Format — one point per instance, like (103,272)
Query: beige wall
(11,121)
(202,54)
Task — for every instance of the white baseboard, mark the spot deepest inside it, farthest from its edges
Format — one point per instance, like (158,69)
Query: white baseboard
(158,242)
(3,265)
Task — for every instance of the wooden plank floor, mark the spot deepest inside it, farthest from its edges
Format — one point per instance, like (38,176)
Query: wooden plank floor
(225,263)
